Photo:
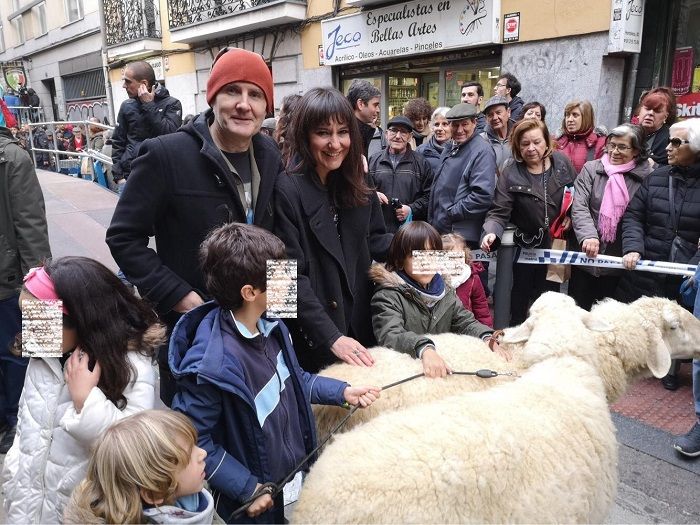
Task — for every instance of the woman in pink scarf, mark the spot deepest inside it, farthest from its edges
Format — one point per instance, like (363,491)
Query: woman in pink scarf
(602,192)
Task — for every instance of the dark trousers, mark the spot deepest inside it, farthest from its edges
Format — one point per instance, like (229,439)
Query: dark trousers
(168,388)
(586,289)
(12,368)
(529,282)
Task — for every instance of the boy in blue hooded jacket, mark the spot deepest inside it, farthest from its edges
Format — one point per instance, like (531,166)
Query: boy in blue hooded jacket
(239,381)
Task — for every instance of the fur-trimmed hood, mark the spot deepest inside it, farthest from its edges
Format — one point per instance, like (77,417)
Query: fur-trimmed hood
(152,338)
(383,278)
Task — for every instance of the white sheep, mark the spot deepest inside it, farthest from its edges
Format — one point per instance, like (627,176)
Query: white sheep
(645,322)
(538,449)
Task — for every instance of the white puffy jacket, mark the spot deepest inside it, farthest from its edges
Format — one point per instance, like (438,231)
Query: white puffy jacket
(51,449)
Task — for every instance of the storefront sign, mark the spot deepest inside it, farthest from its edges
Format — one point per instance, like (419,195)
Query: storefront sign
(511,27)
(626,21)
(683,62)
(688,105)
(157,65)
(410,28)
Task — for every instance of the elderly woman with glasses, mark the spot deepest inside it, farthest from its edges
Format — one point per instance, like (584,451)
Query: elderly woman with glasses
(602,192)
(662,222)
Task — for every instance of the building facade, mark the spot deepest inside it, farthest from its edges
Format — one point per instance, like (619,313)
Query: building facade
(54,47)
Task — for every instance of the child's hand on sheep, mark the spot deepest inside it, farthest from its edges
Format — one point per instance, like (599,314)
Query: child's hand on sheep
(433,364)
(500,352)
(261,504)
(361,395)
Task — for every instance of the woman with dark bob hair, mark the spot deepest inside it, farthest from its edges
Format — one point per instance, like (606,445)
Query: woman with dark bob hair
(331,222)
(529,194)
(602,192)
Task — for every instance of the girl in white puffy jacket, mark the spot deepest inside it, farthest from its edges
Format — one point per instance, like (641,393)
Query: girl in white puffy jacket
(105,373)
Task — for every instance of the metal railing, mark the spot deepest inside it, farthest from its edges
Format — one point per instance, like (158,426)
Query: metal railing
(128,20)
(183,13)
(27,114)
(74,157)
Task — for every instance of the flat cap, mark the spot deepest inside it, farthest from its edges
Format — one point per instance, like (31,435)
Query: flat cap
(496,101)
(400,120)
(269,123)
(462,111)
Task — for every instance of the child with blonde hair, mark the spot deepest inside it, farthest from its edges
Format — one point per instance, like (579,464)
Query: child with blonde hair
(145,469)
(470,289)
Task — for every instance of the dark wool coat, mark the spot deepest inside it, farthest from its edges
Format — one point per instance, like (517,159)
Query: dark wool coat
(432,151)
(657,147)
(180,189)
(647,229)
(334,290)
(409,182)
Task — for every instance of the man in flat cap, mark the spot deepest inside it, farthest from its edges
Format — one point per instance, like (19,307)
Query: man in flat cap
(401,177)
(218,168)
(497,132)
(464,186)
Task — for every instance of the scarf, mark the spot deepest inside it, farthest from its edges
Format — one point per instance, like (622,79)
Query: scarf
(615,198)
(430,295)
(436,145)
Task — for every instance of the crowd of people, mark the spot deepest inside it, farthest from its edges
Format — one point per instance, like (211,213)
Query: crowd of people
(351,203)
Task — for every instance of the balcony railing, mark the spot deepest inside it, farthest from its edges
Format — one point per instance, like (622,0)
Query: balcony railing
(183,13)
(129,20)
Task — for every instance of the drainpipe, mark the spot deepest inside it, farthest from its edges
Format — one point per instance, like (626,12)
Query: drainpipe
(630,103)
(105,66)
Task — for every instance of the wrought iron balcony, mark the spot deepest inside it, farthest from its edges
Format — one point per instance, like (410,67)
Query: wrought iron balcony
(129,20)
(182,13)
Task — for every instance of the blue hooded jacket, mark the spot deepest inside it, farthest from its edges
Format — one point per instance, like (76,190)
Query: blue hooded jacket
(213,393)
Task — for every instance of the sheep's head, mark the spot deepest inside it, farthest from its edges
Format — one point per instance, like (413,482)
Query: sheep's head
(556,327)
(679,330)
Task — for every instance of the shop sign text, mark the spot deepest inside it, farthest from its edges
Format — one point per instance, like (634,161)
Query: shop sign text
(409,28)
(626,21)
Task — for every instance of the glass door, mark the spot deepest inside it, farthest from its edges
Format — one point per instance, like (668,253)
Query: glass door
(401,90)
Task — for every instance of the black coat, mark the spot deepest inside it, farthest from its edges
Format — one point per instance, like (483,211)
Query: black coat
(657,147)
(432,152)
(334,289)
(139,121)
(409,182)
(180,188)
(647,229)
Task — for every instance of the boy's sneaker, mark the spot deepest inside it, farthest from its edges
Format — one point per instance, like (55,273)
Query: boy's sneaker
(689,444)
(7,439)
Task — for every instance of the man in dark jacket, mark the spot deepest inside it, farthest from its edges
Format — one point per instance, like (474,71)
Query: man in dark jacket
(464,187)
(364,99)
(473,93)
(497,131)
(25,243)
(149,112)
(217,169)
(508,86)
(401,177)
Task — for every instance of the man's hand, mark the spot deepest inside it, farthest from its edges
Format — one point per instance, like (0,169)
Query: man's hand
(487,241)
(403,212)
(351,351)
(191,300)
(145,95)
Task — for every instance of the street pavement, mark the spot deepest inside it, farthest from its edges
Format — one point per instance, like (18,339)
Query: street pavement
(657,485)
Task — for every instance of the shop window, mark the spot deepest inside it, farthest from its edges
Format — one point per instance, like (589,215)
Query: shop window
(456,78)
(401,90)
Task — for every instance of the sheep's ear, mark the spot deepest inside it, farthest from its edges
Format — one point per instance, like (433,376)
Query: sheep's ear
(658,355)
(518,334)
(595,324)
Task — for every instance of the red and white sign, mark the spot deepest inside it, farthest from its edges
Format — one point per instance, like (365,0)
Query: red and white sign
(511,27)
(688,105)
(682,78)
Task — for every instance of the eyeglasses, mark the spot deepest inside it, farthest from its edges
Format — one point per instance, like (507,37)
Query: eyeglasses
(619,147)
(500,85)
(677,143)
(399,131)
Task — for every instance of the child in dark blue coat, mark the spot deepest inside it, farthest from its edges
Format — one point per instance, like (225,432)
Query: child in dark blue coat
(239,381)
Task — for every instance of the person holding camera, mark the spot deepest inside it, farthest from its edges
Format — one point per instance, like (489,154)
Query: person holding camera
(401,177)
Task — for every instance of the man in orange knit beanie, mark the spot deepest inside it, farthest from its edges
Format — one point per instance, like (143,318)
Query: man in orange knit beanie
(218,168)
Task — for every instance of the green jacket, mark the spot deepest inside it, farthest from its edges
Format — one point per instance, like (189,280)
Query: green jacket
(401,319)
(24,237)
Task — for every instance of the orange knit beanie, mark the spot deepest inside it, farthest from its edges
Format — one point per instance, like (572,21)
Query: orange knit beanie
(239,65)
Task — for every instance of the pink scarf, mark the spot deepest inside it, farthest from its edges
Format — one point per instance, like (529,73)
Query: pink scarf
(615,198)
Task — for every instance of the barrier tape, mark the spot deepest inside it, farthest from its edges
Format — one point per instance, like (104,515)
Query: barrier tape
(541,256)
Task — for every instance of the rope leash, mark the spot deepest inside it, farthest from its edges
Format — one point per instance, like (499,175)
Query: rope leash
(273,489)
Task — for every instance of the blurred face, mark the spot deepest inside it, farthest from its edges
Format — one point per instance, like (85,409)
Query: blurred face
(462,130)
(652,119)
(131,84)
(398,137)
(501,88)
(368,112)
(329,145)
(422,279)
(239,110)
(679,152)
(470,95)
(420,124)
(190,480)
(573,121)
(620,150)
(497,117)
(533,113)
(70,335)
(441,129)
(533,147)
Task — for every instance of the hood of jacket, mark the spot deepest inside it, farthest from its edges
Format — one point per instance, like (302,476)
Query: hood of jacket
(173,514)
(161,92)
(383,278)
